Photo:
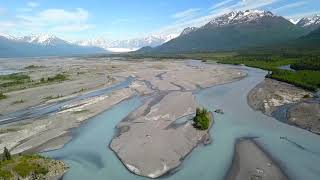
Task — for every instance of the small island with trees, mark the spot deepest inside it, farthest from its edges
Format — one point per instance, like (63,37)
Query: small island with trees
(203,119)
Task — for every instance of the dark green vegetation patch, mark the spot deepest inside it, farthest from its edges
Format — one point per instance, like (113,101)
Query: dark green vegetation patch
(13,80)
(18,81)
(203,119)
(23,166)
(306,64)
(2,96)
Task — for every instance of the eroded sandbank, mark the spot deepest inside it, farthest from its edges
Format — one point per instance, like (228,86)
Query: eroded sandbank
(148,143)
(250,162)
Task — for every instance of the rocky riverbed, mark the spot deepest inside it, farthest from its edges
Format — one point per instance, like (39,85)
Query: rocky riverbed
(167,86)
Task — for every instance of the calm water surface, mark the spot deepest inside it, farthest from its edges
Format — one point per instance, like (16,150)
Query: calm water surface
(298,152)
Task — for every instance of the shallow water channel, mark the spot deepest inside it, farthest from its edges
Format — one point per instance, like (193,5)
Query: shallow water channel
(297,151)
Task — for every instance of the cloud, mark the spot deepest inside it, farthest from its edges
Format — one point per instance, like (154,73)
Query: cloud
(250,4)
(32,4)
(24,10)
(289,6)
(58,16)
(29,7)
(7,26)
(221,4)
(73,28)
(186,14)
(54,21)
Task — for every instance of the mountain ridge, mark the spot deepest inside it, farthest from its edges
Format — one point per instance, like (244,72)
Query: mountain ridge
(130,44)
(30,46)
(310,23)
(233,31)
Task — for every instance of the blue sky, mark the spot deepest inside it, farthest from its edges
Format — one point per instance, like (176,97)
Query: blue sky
(124,19)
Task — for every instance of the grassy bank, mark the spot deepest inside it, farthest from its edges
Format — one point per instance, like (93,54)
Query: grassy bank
(18,81)
(307,75)
(312,63)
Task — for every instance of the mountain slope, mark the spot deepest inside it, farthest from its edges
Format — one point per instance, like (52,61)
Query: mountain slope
(235,30)
(41,46)
(312,40)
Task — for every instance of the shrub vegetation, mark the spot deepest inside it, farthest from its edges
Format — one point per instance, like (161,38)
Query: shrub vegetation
(203,119)
(2,96)
(22,165)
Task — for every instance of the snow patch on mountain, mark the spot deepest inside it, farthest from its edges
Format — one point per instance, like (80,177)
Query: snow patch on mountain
(237,17)
(188,30)
(309,21)
(7,36)
(45,40)
(294,21)
(127,45)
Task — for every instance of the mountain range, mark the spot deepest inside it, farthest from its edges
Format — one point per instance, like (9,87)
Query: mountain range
(310,23)
(49,45)
(42,45)
(232,31)
(127,45)
(238,30)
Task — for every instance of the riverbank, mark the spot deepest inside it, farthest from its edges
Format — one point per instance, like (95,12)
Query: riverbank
(250,162)
(286,103)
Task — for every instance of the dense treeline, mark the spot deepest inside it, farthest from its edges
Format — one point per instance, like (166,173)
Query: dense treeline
(309,80)
(310,63)
(307,65)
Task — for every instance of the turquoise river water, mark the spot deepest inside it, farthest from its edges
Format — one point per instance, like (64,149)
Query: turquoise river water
(298,154)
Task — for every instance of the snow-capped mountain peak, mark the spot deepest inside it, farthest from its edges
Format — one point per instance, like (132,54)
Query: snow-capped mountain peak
(236,17)
(308,21)
(294,21)
(44,40)
(129,44)
(8,36)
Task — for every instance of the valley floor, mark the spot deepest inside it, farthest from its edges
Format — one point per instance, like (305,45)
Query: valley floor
(155,138)
(167,86)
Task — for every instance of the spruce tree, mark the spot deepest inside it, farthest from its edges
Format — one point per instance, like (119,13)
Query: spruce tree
(6,154)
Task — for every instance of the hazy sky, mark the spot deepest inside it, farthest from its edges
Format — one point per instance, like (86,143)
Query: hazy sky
(123,19)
